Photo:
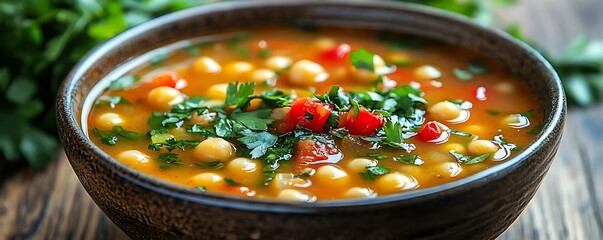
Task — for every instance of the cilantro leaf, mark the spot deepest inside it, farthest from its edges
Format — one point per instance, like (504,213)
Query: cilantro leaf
(377,156)
(459,133)
(201,131)
(215,165)
(128,134)
(171,144)
(111,101)
(238,94)
(108,138)
(394,136)
(464,159)
(231,182)
(167,160)
(258,142)
(409,159)
(374,171)
(362,59)
(256,120)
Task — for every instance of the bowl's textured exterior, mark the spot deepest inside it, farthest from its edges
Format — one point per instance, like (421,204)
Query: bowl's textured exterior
(477,207)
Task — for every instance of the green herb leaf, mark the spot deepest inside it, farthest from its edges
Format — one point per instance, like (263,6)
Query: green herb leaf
(201,189)
(377,156)
(108,138)
(362,59)
(536,129)
(374,171)
(258,142)
(238,95)
(167,160)
(256,120)
(476,67)
(215,165)
(409,159)
(459,133)
(231,182)
(464,159)
(128,134)
(492,112)
(111,101)
(171,144)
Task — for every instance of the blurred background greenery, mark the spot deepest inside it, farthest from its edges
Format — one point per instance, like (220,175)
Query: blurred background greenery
(43,39)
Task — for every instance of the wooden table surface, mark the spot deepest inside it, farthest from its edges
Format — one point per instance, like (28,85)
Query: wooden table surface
(51,204)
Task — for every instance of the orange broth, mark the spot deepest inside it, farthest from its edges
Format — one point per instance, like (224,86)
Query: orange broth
(493,104)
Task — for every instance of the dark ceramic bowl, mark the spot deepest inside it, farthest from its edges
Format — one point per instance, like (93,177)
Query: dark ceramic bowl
(479,206)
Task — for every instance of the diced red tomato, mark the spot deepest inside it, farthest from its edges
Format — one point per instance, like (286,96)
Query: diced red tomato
(168,79)
(430,131)
(311,151)
(340,52)
(307,113)
(364,124)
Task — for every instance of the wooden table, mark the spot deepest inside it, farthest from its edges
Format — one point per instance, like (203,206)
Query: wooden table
(52,204)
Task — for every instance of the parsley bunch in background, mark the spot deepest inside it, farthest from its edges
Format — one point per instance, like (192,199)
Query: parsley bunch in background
(43,39)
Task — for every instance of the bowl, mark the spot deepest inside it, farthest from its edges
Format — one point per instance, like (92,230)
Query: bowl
(479,206)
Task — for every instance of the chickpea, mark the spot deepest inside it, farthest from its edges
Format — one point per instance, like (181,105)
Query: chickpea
(213,149)
(295,195)
(436,156)
(475,129)
(367,76)
(359,164)
(263,74)
(217,91)
(307,73)
(358,192)
(288,180)
(245,169)
(456,147)
(427,72)
(448,169)
(238,69)
(278,63)
(209,180)
(395,182)
(107,121)
(133,157)
(162,98)
(324,43)
(331,176)
(445,111)
(479,147)
(205,65)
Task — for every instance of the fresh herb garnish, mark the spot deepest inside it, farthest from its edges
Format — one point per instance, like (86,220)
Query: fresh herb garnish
(215,165)
(476,67)
(170,144)
(394,136)
(377,156)
(201,189)
(238,94)
(108,138)
(167,160)
(362,59)
(464,159)
(528,114)
(258,142)
(536,129)
(231,182)
(492,112)
(128,134)
(409,159)
(374,171)
(459,133)
(264,53)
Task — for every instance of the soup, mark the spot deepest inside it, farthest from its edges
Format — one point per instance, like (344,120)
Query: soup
(312,114)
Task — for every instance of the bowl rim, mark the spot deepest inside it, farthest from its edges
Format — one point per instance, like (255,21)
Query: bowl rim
(67,117)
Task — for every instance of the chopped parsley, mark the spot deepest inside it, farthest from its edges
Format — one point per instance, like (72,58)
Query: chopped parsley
(409,159)
(374,171)
(238,94)
(111,137)
(362,59)
(459,133)
(231,182)
(258,142)
(112,102)
(377,156)
(170,144)
(465,159)
(215,165)
(536,129)
(108,138)
(167,160)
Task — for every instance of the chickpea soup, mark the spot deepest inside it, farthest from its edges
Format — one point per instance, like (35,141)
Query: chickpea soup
(302,115)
